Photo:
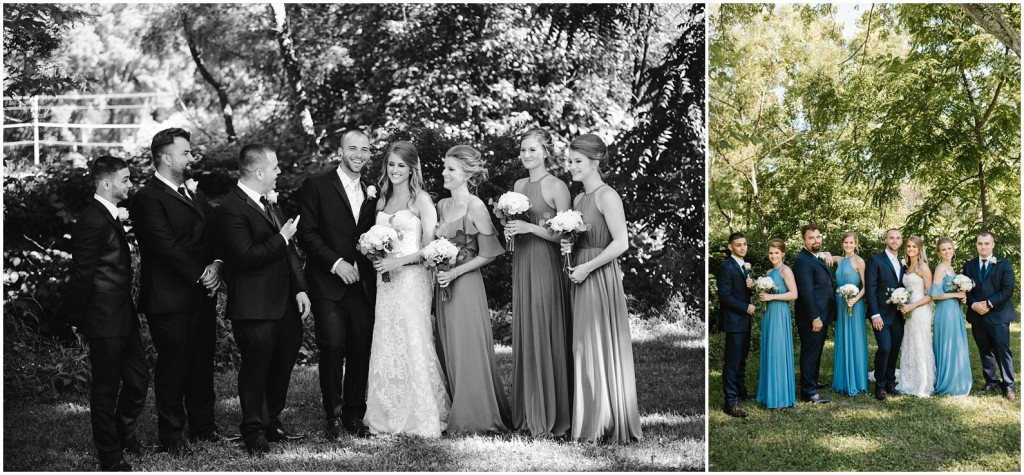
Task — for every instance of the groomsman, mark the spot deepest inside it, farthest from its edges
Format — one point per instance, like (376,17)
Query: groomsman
(99,303)
(173,224)
(990,311)
(734,284)
(266,294)
(883,273)
(815,310)
(336,209)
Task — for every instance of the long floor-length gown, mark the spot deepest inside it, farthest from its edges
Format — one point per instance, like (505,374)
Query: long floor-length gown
(541,329)
(917,358)
(952,362)
(479,404)
(776,385)
(405,389)
(604,385)
(850,365)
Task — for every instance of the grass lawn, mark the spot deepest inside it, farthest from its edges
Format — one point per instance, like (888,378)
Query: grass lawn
(979,432)
(670,380)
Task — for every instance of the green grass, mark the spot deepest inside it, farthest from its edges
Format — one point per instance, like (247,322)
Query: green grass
(670,379)
(979,432)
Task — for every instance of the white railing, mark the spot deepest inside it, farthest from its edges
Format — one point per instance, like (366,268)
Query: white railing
(36,125)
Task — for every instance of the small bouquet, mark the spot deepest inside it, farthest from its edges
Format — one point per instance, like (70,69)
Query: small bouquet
(377,243)
(962,283)
(568,224)
(511,206)
(848,292)
(898,296)
(440,254)
(766,285)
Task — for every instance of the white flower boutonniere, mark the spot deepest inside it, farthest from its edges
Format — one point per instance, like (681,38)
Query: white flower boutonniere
(903,261)
(192,185)
(993,260)
(371,192)
(746,266)
(122,214)
(271,197)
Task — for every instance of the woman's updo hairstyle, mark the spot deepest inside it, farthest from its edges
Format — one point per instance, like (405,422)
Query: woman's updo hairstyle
(591,146)
(471,162)
(543,137)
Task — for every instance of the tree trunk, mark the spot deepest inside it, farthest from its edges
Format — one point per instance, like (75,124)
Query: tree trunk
(222,93)
(992,20)
(291,67)
(984,193)
(756,198)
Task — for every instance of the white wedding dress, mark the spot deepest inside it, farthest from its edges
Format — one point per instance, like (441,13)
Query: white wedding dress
(917,360)
(405,392)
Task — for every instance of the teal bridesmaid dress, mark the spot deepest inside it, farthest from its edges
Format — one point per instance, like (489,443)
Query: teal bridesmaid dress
(850,365)
(952,362)
(776,387)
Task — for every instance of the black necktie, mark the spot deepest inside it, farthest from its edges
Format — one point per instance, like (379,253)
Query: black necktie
(270,212)
(984,269)
(183,192)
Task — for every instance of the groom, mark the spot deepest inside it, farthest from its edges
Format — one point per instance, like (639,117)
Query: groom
(335,209)
(884,273)
(815,310)
(990,311)
(734,284)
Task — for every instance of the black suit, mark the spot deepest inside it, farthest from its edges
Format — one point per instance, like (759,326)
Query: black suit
(176,240)
(99,302)
(263,275)
(879,277)
(816,298)
(343,313)
(992,330)
(734,296)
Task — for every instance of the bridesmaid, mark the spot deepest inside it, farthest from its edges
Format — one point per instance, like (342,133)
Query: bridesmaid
(776,387)
(540,299)
(952,362)
(850,366)
(604,387)
(463,321)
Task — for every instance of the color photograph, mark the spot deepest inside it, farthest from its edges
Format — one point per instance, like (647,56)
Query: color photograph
(864,237)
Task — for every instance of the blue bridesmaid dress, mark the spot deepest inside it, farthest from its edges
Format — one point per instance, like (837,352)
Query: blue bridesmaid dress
(850,365)
(776,386)
(952,362)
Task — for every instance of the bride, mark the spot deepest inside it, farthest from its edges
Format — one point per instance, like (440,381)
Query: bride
(917,362)
(405,391)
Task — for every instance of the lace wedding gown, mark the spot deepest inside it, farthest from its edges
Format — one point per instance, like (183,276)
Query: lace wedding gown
(917,361)
(405,391)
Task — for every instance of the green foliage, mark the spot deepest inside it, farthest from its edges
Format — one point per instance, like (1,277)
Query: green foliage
(33,36)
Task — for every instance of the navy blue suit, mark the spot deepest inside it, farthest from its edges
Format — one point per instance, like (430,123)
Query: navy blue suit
(992,330)
(879,278)
(816,298)
(734,297)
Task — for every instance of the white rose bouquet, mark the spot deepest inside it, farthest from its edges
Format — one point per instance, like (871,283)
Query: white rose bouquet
(568,224)
(376,243)
(962,283)
(766,285)
(440,255)
(898,296)
(511,206)
(848,292)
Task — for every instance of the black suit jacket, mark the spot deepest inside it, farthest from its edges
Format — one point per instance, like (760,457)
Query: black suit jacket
(328,231)
(262,273)
(879,278)
(997,287)
(734,296)
(176,241)
(816,288)
(98,299)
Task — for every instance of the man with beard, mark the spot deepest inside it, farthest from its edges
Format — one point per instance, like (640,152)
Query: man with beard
(335,209)
(174,227)
(815,309)
(99,303)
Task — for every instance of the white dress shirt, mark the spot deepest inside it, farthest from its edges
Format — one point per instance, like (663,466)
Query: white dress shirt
(171,184)
(353,190)
(739,262)
(110,206)
(893,261)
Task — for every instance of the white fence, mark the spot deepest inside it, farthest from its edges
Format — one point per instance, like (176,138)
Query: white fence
(61,101)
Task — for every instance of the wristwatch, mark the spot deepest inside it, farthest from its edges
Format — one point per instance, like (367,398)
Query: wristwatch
(989,304)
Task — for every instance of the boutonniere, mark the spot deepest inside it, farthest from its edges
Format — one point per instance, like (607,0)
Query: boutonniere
(192,185)
(271,197)
(992,260)
(122,214)
(371,192)
(903,262)
(746,266)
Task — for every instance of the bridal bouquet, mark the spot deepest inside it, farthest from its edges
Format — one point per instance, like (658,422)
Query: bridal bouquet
(377,243)
(848,292)
(898,296)
(511,206)
(962,283)
(568,224)
(440,254)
